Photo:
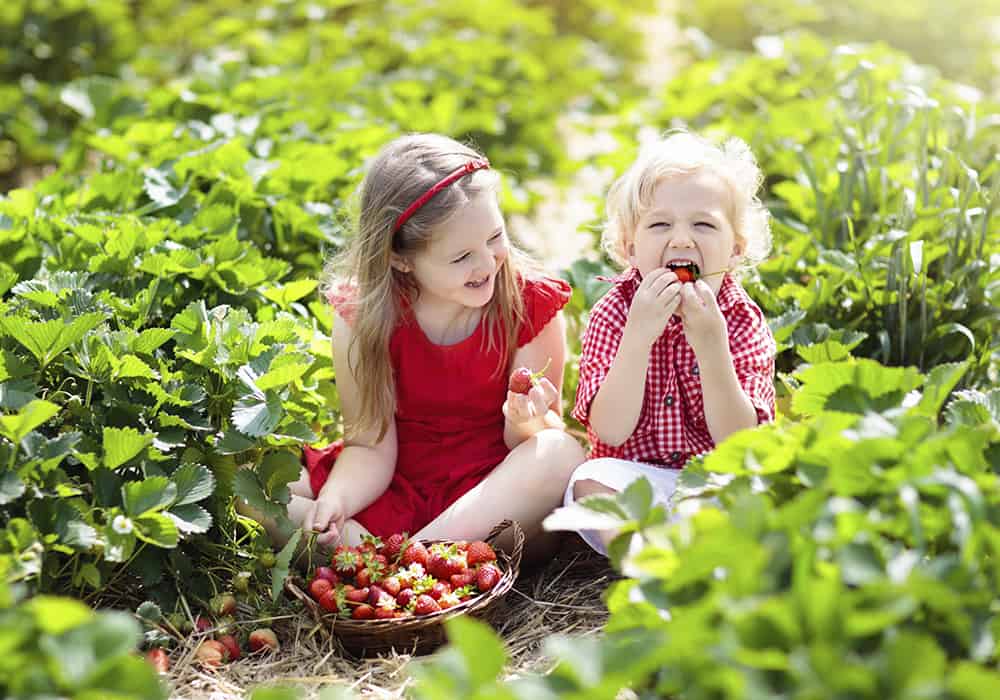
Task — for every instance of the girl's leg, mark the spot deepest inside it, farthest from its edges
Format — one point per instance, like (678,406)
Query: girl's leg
(525,487)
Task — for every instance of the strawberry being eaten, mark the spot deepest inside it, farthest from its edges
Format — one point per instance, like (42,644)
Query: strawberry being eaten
(686,272)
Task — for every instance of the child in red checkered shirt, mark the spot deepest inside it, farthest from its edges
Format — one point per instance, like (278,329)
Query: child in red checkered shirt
(676,356)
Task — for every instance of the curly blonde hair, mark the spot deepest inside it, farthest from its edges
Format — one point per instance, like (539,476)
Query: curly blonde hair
(681,152)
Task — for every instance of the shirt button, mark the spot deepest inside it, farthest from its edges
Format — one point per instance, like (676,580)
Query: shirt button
(675,456)
(669,400)
(695,370)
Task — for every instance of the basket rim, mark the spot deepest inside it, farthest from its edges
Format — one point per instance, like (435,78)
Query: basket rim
(350,628)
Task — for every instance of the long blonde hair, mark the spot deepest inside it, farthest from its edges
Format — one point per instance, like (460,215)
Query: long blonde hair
(402,171)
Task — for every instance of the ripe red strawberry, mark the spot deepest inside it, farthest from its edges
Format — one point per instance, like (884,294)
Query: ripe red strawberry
(439,589)
(487,577)
(425,605)
(369,543)
(346,562)
(330,601)
(318,587)
(393,546)
(364,577)
(522,378)
(263,639)
(232,646)
(415,553)
(202,624)
(358,595)
(392,585)
(405,597)
(363,612)
(437,566)
(158,659)
(374,594)
(327,573)
(685,273)
(479,552)
(384,613)
(459,580)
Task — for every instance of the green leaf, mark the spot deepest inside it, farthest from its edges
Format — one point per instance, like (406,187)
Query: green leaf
(257,415)
(46,339)
(190,519)
(280,376)
(17,426)
(483,652)
(150,339)
(17,393)
(11,487)
(247,487)
(55,615)
(123,444)
(275,471)
(863,380)
(637,499)
(969,681)
(284,559)
(132,366)
(293,291)
(157,529)
(938,386)
(151,494)
(234,442)
(195,482)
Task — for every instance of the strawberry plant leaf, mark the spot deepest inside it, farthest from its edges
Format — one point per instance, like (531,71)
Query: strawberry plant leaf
(190,519)
(16,427)
(46,339)
(194,482)
(637,499)
(481,652)
(157,529)
(131,366)
(122,444)
(247,487)
(257,415)
(281,565)
(275,471)
(280,376)
(233,442)
(11,487)
(153,493)
(293,291)
(150,339)
(938,386)
(17,393)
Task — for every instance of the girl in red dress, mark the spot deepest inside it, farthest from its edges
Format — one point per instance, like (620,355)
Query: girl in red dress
(434,308)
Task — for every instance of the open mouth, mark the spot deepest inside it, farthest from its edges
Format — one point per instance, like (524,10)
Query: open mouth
(686,271)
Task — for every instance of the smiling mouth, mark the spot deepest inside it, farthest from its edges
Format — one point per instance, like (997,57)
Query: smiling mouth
(480,283)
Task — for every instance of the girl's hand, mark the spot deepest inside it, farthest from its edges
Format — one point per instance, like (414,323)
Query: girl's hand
(704,324)
(655,301)
(327,517)
(524,408)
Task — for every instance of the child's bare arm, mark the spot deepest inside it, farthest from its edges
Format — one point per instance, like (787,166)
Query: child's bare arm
(364,469)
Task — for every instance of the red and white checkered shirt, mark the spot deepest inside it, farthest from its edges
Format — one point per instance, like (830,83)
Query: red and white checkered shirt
(672,425)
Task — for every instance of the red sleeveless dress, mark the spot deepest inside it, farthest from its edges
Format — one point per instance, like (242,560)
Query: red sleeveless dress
(449,423)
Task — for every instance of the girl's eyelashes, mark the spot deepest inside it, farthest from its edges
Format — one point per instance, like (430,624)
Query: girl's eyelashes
(494,238)
(705,223)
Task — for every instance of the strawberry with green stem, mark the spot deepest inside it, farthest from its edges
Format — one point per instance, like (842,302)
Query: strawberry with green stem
(522,378)
(689,272)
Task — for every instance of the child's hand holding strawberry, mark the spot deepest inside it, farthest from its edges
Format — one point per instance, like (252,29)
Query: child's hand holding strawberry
(530,398)
(327,517)
(704,324)
(655,301)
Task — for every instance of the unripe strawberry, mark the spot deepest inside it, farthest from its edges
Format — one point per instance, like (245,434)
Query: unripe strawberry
(211,653)
(263,638)
(223,604)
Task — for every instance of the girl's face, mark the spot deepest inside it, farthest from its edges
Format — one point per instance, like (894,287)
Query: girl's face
(687,221)
(460,264)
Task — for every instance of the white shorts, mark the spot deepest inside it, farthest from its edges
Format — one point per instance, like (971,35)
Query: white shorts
(617,474)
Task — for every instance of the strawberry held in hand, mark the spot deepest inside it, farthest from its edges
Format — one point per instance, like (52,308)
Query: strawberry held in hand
(522,379)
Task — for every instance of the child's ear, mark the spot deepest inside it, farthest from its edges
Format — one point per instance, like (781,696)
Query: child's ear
(630,252)
(398,262)
(737,257)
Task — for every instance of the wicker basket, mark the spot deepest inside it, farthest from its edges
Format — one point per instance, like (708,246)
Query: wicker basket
(417,635)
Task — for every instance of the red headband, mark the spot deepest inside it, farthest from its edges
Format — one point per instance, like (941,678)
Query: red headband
(457,174)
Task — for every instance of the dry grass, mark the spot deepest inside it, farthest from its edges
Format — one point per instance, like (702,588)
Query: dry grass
(564,596)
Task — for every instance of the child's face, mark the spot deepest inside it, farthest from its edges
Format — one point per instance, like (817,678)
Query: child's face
(465,253)
(686,221)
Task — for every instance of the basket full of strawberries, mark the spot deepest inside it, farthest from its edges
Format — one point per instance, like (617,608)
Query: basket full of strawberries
(395,593)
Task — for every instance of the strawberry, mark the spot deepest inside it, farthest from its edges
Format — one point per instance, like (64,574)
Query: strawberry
(232,646)
(330,601)
(415,553)
(686,272)
(425,605)
(202,624)
(479,552)
(263,637)
(487,577)
(318,587)
(461,580)
(327,573)
(211,653)
(223,604)
(374,594)
(392,585)
(384,613)
(158,659)
(358,595)
(439,589)
(363,612)
(393,546)
(369,543)
(346,563)
(522,378)
(364,577)
(405,597)
(437,566)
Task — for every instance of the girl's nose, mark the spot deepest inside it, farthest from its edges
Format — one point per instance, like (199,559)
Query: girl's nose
(681,238)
